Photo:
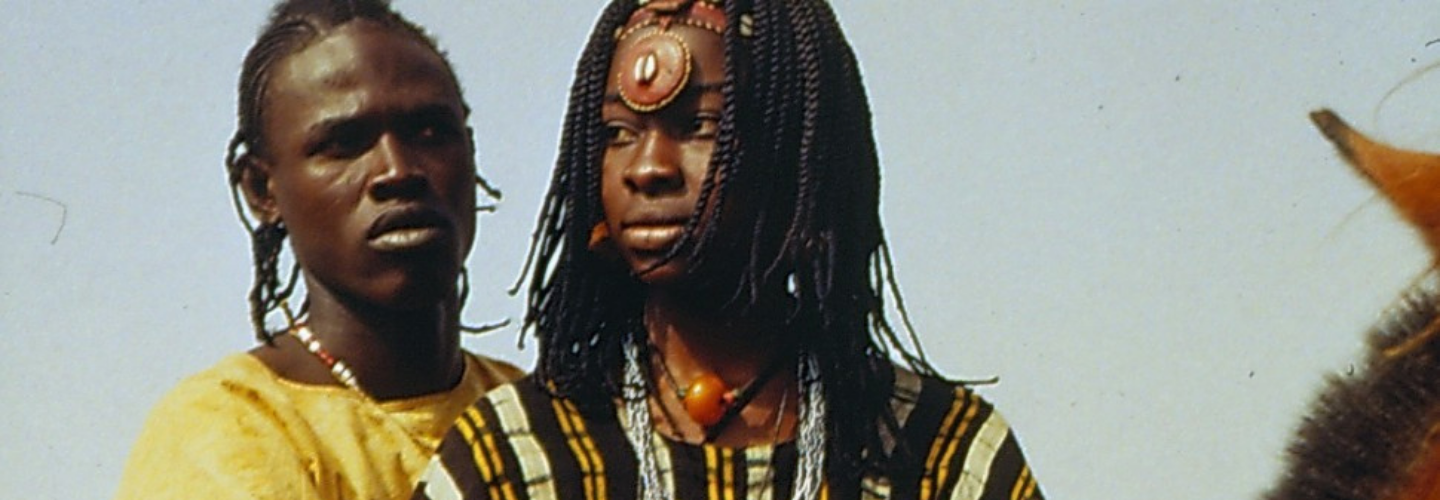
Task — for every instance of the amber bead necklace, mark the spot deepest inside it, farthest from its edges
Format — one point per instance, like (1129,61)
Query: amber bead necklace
(640,428)
(709,401)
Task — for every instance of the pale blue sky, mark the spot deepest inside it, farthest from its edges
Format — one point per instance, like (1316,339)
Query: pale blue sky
(1119,208)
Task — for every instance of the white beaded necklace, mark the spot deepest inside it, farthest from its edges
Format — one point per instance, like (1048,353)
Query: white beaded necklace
(337,367)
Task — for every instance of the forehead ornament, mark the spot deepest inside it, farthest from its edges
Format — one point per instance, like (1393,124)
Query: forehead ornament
(653,71)
(655,68)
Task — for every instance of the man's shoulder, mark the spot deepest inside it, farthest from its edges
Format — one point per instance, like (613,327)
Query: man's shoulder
(493,372)
(239,378)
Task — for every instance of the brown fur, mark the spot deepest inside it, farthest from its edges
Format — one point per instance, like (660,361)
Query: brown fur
(1370,435)
(1364,432)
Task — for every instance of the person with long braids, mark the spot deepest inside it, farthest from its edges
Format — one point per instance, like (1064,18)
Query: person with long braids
(710,286)
(352,144)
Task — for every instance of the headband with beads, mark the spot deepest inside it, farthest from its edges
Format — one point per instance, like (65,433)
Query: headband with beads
(655,69)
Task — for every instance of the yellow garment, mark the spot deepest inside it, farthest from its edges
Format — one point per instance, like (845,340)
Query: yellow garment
(239,431)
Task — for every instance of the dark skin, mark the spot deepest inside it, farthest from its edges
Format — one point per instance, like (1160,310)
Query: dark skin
(654,167)
(370,165)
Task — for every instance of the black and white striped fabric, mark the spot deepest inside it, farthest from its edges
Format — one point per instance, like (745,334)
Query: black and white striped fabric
(519,443)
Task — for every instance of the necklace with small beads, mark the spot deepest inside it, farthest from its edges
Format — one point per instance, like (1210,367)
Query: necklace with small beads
(337,367)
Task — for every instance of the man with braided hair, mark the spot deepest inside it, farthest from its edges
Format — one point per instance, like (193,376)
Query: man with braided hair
(709,284)
(353,144)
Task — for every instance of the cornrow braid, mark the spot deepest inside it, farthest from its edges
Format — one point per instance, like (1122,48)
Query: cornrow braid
(795,136)
(267,238)
(295,25)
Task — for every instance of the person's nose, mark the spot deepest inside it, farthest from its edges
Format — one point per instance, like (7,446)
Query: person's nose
(655,168)
(400,174)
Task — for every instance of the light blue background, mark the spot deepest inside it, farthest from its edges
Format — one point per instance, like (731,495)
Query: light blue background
(1119,208)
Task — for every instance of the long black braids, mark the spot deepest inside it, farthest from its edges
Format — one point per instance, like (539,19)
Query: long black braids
(795,136)
(292,27)
(573,294)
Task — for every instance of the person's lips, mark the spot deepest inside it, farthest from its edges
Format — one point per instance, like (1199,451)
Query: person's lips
(652,233)
(407,228)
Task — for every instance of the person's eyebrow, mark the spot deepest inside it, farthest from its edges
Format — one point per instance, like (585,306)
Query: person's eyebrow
(433,110)
(327,125)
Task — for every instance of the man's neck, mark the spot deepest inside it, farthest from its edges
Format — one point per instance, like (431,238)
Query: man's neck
(393,354)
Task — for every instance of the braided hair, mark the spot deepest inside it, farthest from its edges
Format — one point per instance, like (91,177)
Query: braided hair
(294,25)
(795,138)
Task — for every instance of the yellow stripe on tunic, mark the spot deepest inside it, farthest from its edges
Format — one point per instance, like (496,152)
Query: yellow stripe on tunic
(506,486)
(589,444)
(468,430)
(928,485)
(727,460)
(577,441)
(954,442)
(1030,486)
(494,453)
(712,474)
(1020,482)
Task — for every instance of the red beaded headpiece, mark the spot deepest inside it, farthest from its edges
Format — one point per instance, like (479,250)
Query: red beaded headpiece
(655,68)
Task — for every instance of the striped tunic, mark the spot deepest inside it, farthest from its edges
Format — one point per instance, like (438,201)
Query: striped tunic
(519,443)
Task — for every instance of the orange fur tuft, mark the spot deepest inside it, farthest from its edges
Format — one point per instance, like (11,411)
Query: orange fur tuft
(1410,179)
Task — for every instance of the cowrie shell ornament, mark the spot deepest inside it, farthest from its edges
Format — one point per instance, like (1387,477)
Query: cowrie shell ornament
(658,66)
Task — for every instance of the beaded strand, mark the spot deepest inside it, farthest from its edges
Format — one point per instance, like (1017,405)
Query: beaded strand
(338,368)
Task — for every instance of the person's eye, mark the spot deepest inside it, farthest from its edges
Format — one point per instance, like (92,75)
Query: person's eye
(437,132)
(617,134)
(706,126)
(342,143)
(435,128)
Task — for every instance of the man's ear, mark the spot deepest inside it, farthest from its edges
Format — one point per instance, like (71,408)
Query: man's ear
(255,186)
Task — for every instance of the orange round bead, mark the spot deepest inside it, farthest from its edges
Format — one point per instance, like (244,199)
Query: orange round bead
(705,399)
